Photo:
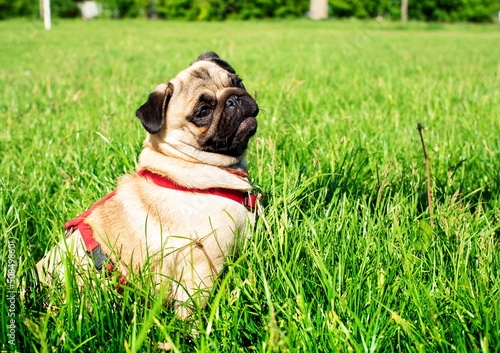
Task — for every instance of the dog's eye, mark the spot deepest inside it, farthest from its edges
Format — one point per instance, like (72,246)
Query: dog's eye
(240,84)
(237,82)
(204,112)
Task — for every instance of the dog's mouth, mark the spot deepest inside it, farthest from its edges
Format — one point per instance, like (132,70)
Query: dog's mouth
(248,126)
(245,131)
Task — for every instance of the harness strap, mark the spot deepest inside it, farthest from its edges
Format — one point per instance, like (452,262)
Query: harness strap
(245,198)
(99,257)
(86,230)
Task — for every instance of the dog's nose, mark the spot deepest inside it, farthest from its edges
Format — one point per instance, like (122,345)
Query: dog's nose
(244,103)
(232,100)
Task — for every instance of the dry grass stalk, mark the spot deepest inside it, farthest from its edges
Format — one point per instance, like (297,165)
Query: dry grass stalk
(420,128)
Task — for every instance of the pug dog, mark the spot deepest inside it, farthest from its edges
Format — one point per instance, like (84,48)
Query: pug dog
(188,206)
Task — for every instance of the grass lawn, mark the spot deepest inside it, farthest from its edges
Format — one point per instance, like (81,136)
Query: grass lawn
(349,261)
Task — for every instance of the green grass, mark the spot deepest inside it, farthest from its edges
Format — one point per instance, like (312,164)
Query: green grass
(348,262)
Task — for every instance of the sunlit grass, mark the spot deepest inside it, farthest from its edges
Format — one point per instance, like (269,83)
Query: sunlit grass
(348,262)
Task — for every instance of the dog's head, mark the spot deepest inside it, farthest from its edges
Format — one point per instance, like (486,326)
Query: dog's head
(205,106)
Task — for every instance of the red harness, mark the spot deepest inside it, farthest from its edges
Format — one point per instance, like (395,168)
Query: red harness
(94,249)
(246,199)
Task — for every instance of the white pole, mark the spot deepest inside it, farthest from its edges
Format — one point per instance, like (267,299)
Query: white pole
(404,10)
(318,9)
(46,14)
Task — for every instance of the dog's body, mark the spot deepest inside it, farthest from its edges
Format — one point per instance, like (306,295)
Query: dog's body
(199,125)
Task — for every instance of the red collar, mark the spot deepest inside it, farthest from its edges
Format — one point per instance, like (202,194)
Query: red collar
(246,199)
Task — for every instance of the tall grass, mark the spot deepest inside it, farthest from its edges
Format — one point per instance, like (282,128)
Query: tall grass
(347,260)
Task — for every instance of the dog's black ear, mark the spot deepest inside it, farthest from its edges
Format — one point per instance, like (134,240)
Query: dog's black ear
(209,55)
(212,57)
(152,113)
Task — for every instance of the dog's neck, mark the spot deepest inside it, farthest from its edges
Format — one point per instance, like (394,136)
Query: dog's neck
(177,145)
(186,170)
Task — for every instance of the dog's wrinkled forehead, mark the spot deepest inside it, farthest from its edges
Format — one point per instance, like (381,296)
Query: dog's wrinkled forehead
(210,56)
(210,72)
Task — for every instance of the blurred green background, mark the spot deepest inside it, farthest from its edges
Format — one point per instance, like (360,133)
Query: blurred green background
(215,10)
